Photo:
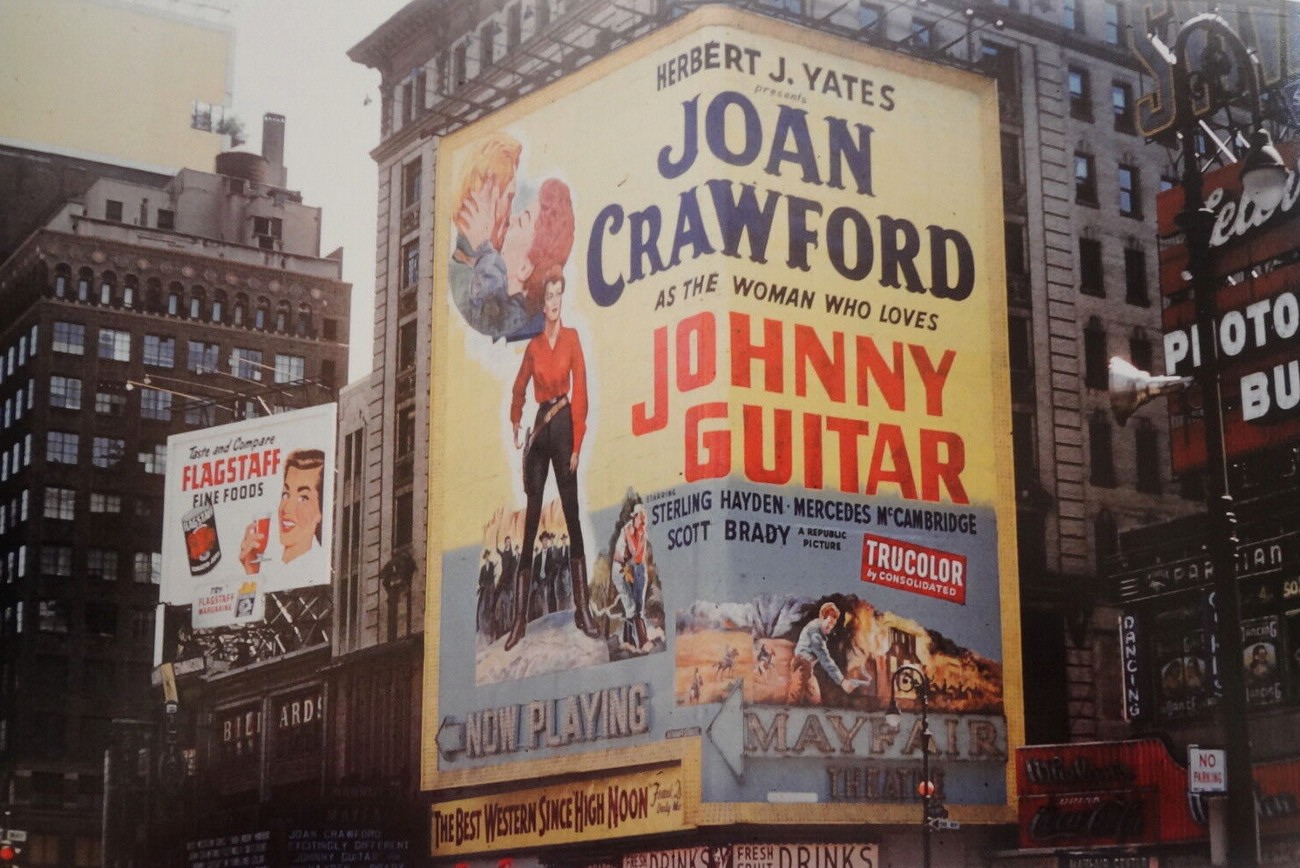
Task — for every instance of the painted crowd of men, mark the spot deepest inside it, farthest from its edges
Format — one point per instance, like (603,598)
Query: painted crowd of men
(550,591)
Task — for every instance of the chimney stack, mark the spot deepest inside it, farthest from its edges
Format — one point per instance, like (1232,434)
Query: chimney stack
(273,147)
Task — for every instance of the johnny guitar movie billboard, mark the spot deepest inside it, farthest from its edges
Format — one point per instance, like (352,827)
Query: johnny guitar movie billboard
(721,428)
(246,537)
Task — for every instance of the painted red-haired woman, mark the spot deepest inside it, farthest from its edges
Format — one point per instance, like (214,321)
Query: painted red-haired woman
(554,364)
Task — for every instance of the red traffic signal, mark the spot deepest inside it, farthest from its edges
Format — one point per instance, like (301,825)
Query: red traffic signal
(8,853)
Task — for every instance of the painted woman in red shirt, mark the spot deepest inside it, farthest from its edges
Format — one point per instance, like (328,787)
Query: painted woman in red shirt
(554,363)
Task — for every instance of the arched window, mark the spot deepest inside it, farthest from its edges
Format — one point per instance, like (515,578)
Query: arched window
(107,283)
(196,302)
(304,321)
(282,317)
(218,306)
(62,280)
(241,309)
(262,314)
(84,277)
(130,287)
(174,293)
(153,299)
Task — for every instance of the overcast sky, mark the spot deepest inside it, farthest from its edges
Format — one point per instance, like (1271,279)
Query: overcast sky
(290,58)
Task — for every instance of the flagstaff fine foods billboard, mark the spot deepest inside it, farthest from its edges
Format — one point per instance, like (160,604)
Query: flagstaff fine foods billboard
(246,516)
(721,428)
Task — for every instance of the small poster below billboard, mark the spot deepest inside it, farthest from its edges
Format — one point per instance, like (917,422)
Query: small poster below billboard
(246,516)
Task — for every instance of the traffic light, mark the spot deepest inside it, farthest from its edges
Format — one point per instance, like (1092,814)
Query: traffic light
(8,854)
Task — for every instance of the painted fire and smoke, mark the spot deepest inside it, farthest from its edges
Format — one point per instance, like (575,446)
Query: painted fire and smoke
(719,644)
(553,643)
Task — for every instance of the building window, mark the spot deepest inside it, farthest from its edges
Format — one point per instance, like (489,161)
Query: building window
(241,309)
(1121,101)
(460,65)
(403,519)
(410,264)
(113,211)
(62,279)
(1105,537)
(922,32)
(1101,454)
(84,277)
(69,337)
(103,503)
(53,618)
(154,459)
(146,568)
(1011,174)
(109,400)
(196,304)
(156,405)
(1014,241)
(1135,276)
(282,317)
(65,392)
(107,284)
(142,621)
(302,328)
(1113,31)
(1071,17)
(514,27)
(129,287)
(166,219)
(246,363)
(201,357)
(405,432)
(56,561)
(1080,90)
(1148,457)
(101,564)
(1130,196)
(290,369)
(261,314)
(115,345)
(61,447)
(1091,274)
(218,307)
(486,46)
(267,232)
(101,618)
(411,180)
(107,452)
(60,503)
(174,299)
(1001,62)
(1096,373)
(406,338)
(159,352)
(1085,179)
(1139,350)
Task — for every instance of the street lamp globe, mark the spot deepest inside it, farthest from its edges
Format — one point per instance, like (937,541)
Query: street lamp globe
(1263,174)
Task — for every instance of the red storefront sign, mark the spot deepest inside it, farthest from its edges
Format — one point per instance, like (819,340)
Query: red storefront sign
(1131,792)
(1083,795)
(1257,312)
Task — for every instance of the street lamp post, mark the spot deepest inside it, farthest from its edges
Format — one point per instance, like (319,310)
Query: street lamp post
(1223,51)
(911,679)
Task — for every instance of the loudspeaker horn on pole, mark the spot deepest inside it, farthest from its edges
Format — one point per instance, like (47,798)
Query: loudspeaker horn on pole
(1131,388)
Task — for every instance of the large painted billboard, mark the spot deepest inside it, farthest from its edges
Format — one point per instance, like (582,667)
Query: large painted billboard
(721,429)
(247,536)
